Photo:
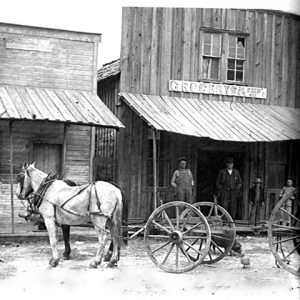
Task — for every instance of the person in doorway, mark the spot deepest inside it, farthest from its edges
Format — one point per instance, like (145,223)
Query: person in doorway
(288,188)
(183,181)
(256,200)
(228,185)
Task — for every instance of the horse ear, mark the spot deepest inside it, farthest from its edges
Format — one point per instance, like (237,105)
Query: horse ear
(25,165)
(33,164)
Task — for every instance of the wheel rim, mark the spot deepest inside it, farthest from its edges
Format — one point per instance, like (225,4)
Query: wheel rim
(223,231)
(284,234)
(173,241)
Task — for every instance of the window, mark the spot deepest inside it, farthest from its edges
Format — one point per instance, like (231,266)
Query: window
(211,55)
(223,57)
(236,57)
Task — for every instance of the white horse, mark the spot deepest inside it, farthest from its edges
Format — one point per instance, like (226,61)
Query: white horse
(73,205)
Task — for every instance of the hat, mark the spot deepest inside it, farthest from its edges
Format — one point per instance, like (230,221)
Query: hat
(182,158)
(229,160)
(257,180)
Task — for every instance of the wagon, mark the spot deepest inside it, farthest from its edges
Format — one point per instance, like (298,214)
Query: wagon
(284,233)
(180,236)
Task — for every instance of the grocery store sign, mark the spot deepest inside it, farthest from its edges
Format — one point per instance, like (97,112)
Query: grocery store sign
(217,89)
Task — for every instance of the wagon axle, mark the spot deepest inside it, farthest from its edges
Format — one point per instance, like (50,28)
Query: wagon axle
(176,237)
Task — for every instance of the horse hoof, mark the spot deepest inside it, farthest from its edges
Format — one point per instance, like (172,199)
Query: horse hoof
(94,265)
(111,265)
(53,262)
(66,256)
(108,256)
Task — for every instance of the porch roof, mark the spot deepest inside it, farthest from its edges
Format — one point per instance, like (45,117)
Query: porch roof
(219,120)
(67,106)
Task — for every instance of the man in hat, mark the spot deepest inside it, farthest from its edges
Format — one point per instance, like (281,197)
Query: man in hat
(256,199)
(228,184)
(183,181)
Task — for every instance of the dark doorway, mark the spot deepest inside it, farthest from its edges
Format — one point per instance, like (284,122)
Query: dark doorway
(209,164)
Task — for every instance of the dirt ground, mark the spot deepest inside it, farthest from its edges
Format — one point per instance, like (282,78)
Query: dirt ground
(25,273)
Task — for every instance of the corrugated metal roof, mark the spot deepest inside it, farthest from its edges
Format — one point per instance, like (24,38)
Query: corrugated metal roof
(78,107)
(109,70)
(219,120)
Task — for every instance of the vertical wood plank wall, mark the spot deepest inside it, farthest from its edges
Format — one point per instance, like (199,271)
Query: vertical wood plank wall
(70,64)
(24,134)
(159,44)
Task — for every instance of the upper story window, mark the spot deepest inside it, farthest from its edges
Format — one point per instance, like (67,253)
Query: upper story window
(211,55)
(223,57)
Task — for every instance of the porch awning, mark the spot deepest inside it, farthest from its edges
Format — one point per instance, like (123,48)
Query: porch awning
(219,120)
(77,107)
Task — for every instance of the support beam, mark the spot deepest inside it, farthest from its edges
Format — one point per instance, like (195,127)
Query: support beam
(154,168)
(11,178)
(64,149)
(92,153)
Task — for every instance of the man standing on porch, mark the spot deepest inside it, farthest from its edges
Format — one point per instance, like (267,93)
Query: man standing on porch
(183,181)
(228,184)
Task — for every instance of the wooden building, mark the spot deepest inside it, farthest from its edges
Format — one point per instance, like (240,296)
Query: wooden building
(49,108)
(206,83)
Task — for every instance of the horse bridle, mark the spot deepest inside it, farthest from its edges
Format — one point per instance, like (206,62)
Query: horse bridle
(20,180)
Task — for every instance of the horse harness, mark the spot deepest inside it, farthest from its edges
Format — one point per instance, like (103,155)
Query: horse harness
(39,196)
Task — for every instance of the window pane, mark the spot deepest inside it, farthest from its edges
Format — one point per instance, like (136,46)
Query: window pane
(207,38)
(207,50)
(216,45)
(210,68)
(205,66)
(232,52)
(232,41)
(241,53)
(239,65)
(241,42)
(216,51)
(214,74)
(230,75)
(231,64)
(239,76)
(217,40)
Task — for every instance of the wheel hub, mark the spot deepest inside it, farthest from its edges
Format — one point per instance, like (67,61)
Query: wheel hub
(176,237)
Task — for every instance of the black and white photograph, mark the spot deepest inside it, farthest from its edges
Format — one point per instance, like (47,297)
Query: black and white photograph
(149,149)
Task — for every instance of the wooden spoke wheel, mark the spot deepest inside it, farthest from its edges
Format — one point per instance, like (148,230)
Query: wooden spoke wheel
(284,233)
(223,232)
(177,243)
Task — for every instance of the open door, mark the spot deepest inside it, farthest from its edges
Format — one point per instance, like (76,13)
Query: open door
(209,164)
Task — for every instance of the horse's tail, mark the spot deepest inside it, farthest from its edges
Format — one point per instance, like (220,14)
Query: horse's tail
(117,219)
(124,214)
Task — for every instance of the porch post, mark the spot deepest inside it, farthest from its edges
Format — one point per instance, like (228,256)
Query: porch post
(92,153)
(64,150)
(154,168)
(11,178)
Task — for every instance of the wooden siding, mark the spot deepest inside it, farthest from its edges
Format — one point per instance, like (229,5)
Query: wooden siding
(159,44)
(69,65)
(24,135)
(108,92)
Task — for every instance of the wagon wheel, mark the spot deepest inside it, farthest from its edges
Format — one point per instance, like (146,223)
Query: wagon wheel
(170,239)
(284,233)
(222,228)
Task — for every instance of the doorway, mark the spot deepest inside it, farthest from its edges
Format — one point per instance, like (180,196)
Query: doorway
(48,157)
(210,162)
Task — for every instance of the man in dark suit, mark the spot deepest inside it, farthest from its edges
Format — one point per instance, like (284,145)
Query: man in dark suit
(228,184)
